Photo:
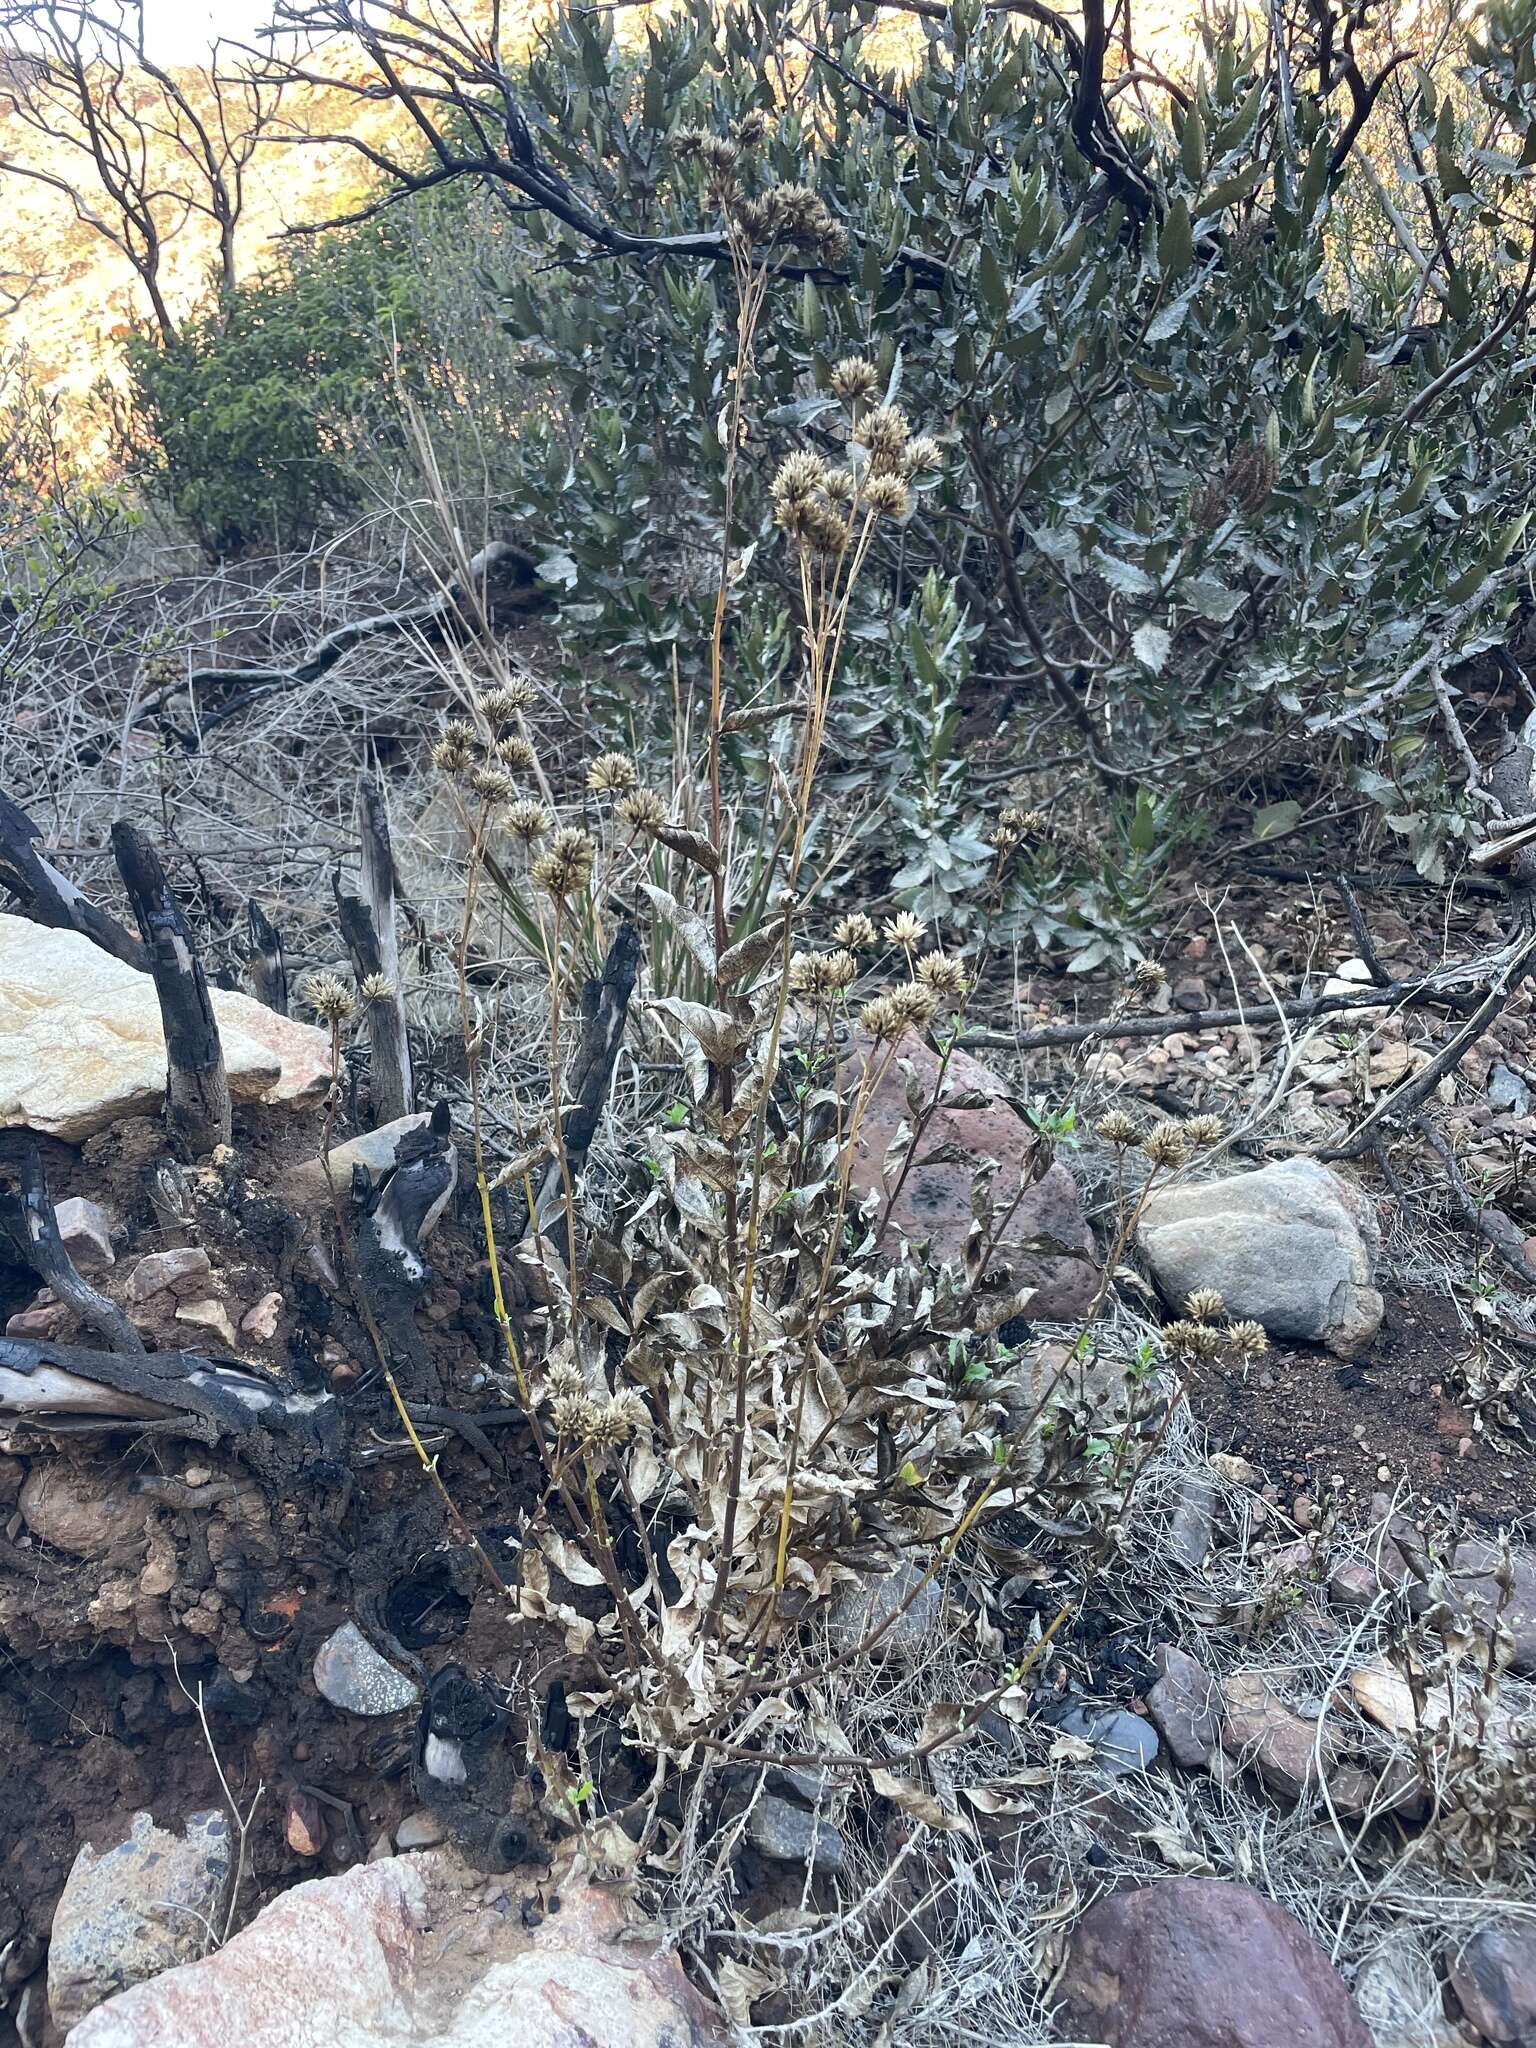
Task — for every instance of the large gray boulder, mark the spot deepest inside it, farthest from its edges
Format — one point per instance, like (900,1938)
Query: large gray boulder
(1291,1246)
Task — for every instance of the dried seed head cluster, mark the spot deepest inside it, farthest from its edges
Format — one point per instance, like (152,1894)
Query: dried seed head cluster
(823,976)
(612,775)
(493,785)
(643,810)
(567,866)
(1118,1129)
(574,1416)
(1147,978)
(1193,1340)
(329,997)
(376,988)
(1166,1145)
(499,706)
(803,507)
(515,753)
(563,1378)
(1204,1130)
(856,932)
(1015,825)
(913,1002)
(888,497)
(944,975)
(903,930)
(1204,1305)
(529,820)
(1251,1338)
(885,432)
(855,380)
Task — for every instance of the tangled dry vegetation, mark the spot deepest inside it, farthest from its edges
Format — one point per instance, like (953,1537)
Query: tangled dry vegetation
(796,1511)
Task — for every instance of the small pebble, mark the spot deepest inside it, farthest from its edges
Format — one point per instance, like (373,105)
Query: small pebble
(1465,1447)
(1383,1471)
(304,1828)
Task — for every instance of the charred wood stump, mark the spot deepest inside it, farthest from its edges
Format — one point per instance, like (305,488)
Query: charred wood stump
(265,965)
(50,898)
(26,1211)
(589,1076)
(394,1087)
(389,1058)
(197,1088)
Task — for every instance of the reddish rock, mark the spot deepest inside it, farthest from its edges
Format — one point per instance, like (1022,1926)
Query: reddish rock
(934,1202)
(42,1319)
(260,1320)
(303,1825)
(1193,1962)
(1185,1705)
(184,1268)
(1494,1979)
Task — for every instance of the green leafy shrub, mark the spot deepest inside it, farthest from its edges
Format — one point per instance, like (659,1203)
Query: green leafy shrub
(250,424)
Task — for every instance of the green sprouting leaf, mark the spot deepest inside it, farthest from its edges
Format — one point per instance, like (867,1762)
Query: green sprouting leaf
(1192,145)
(1272,821)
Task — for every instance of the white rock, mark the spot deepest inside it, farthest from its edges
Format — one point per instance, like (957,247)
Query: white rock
(351,1674)
(407,1950)
(81,1044)
(305,1186)
(1291,1246)
(209,1314)
(152,1902)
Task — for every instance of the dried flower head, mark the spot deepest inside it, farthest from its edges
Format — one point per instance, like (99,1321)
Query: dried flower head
(1166,1145)
(914,1003)
(840,487)
(1118,1129)
(823,975)
(800,476)
(923,452)
(453,758)
(610,1428)
(752,129)
(567,866)
(563,1378)
(493,785)
(881,1019)
(329,997)
(1204,1130)
(1205,1305)
(856,931)
(1251,1338)
(1003,838)
(686,142)
(515,754)
(376,988)
(943,974)
(528,820)
(458,732)
(1193,1340)
(573,1416)
(888,497)
(631,1404)
(904,930)
(612,775)
(641,811)
(501,705)
(854,379)
(1147,978)
(1028,824)
(885,432)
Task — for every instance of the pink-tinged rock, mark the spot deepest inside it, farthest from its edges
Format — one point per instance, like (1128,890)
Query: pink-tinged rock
(1494,1979)
(934,1201)
(260,1320)
(1194,1962)
(410,1949)
(86,1230)
(182,1267)
(41,1319)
